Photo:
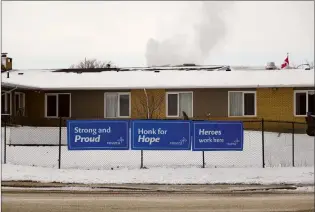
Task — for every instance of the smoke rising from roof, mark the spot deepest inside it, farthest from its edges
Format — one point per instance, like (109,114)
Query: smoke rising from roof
(181,48)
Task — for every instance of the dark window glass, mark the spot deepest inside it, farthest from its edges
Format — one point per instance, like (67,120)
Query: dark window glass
(172,102)
(51,105)
(64,105)
(17,102)
(249,104)
(300,103)
(8,103)
(3,104)
(124,105)
(311,103)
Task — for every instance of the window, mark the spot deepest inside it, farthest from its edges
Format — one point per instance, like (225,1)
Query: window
(179,102)
(117,105)
(303,102)
(19,104)
(242,103)
(58,105)
(6,103)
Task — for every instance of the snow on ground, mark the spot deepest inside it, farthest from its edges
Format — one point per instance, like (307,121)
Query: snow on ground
(278,153)
(164,167)
(288,175)
(306,189)
(67,188)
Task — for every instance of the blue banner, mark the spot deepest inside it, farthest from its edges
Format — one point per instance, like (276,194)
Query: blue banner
(98,135)
(160,135)
(218,136)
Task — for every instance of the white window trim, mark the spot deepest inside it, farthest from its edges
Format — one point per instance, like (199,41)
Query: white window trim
(294,101)
(178,113)
(57,102)
(6,103)
(243,93)
(118,104)
(23,106)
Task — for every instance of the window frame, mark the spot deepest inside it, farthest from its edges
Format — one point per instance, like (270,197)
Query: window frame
(57,103)
(178,113)
(118,104)
(294,101)
(23,106)
(5,93)
(243,109)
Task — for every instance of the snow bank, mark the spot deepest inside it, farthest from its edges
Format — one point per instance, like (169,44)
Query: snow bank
(162,175)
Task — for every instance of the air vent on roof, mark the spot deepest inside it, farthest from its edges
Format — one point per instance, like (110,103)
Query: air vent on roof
(271,66)
(189,64)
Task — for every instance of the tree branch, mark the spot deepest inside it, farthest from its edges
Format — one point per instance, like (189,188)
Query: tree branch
(92,63)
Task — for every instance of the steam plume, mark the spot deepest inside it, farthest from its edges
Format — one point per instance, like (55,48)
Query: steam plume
(180,49)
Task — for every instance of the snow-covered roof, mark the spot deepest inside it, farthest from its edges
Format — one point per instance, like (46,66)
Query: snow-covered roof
(172,79)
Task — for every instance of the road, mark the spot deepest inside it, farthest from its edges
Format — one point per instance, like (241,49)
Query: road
(65,201)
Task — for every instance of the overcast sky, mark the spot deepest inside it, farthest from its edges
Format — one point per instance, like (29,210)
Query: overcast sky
(58,34)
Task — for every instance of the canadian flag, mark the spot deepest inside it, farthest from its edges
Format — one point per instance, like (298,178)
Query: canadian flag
(285,63)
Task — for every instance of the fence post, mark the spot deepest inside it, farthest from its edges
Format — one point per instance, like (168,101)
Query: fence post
(141,164)
(203,159)
(293,144)
(5,142)
(59,157)
(263,141)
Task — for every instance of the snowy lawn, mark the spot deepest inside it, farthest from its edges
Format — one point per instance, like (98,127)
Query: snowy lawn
(278,153)
(302,175)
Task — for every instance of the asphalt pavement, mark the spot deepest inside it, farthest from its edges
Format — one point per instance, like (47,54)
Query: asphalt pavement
(123,200)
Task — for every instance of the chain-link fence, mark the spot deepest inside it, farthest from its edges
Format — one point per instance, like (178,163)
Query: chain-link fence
(266,144)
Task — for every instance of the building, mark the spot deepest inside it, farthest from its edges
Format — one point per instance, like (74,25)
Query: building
(39,97)
(6,62)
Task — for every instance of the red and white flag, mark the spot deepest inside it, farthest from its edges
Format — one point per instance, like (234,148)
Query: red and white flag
(285,63)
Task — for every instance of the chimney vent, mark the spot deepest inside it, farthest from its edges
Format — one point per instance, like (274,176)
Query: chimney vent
(271,66)
(6,62)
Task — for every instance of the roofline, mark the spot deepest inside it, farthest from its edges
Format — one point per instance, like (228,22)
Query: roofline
(156,87)
(14,85)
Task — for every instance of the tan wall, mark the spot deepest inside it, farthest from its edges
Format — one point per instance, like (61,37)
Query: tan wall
(156,100)
(34,104)
(213,101)
(84,105)
(87,104)
(271,105)
(274,105)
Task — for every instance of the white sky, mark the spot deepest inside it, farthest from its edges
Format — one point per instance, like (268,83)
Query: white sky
(58,34)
